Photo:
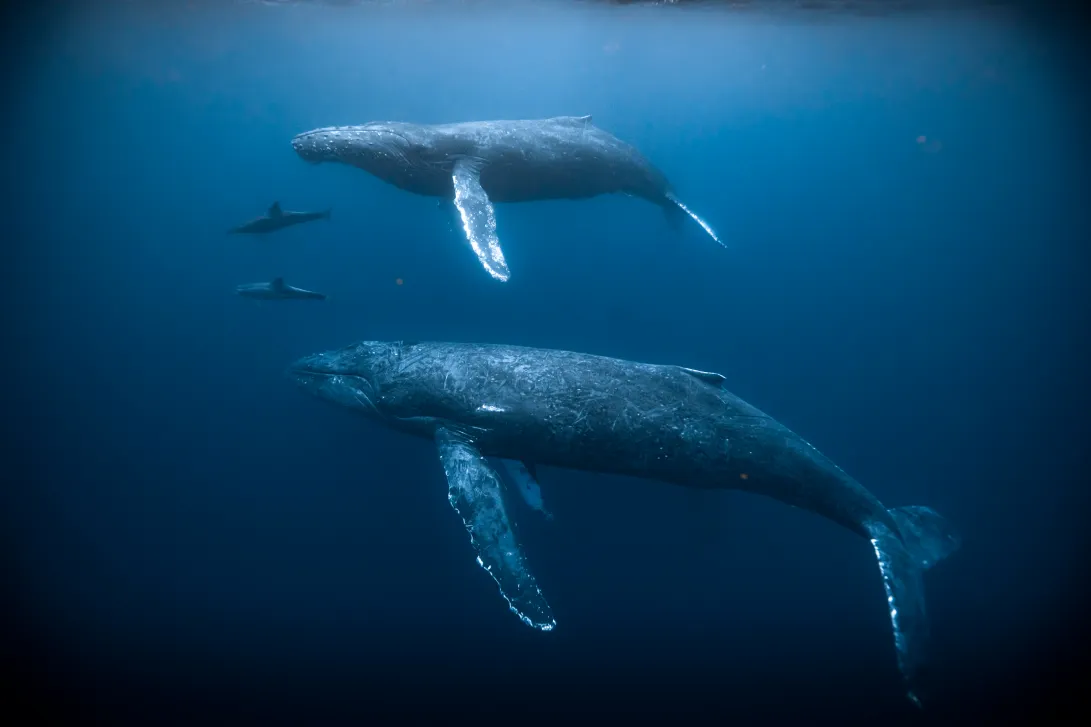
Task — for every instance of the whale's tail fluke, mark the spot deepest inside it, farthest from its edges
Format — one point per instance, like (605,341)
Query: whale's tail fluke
(677,211)
(922,539)
(928,537)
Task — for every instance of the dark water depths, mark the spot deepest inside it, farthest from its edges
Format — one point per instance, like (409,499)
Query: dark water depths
(189,539)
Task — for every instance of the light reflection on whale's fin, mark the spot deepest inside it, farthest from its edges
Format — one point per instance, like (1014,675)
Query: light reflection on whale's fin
(693,216)
(478,218)
(708,377)
(526,481)
(922,538)
(577,120)
(474,491)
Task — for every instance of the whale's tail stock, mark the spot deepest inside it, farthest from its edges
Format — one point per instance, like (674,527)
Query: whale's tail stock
(922,539)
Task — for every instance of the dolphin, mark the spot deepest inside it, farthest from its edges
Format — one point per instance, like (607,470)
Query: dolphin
(277,219)
(477,163)
(529,407)
(277,290)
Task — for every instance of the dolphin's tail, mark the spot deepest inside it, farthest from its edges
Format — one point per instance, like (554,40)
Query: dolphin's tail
(677,211)
(922,539)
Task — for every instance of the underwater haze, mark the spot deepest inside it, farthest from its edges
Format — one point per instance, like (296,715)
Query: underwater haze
(191,539)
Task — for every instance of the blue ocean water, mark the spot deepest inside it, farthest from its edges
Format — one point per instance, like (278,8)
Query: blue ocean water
(904,202)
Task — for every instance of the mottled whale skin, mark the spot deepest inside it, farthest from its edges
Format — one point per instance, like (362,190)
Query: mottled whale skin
(277,219)
(580,411)
(478,163)
(277,289)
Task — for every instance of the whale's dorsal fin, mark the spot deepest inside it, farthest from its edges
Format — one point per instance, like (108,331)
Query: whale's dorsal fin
(706,377)
(274,210)
(578,120)
(277,284)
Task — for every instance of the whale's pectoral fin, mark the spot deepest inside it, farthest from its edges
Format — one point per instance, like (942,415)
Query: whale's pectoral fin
(474,491)
(478,218)
(274,210)
(526,481)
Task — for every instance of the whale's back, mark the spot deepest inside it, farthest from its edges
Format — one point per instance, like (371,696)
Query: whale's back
(560,158)
(570,409)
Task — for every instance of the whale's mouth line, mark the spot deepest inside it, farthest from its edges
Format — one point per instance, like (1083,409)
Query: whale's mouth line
(302,374)
(363,400)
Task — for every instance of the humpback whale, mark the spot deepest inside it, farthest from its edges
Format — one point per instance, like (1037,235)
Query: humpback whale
(277,290)
(529,407)
(277,219)
(478,163)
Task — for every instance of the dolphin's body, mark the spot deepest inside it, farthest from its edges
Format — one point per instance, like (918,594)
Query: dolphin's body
(277,219)
(477,163)
(277,290)
(526,407)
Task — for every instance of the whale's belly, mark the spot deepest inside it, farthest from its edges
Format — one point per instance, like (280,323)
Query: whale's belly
(529,180)
(559,167)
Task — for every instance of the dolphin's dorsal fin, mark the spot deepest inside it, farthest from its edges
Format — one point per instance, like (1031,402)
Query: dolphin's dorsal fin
(706,377)
(278,283)
(274,210)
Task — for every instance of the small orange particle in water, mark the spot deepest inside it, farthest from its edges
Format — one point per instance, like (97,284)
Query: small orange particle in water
(744,476)
(398,281)
(928,146)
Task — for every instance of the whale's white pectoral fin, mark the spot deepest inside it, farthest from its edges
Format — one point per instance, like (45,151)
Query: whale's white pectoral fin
(474,491)
(526,481)
(478,218)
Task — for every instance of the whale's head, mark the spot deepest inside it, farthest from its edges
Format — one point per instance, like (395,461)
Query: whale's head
(387,150)
(352,377)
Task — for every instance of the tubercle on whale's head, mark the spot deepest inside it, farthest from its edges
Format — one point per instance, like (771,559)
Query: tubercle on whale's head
(350,377)
(383,149)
